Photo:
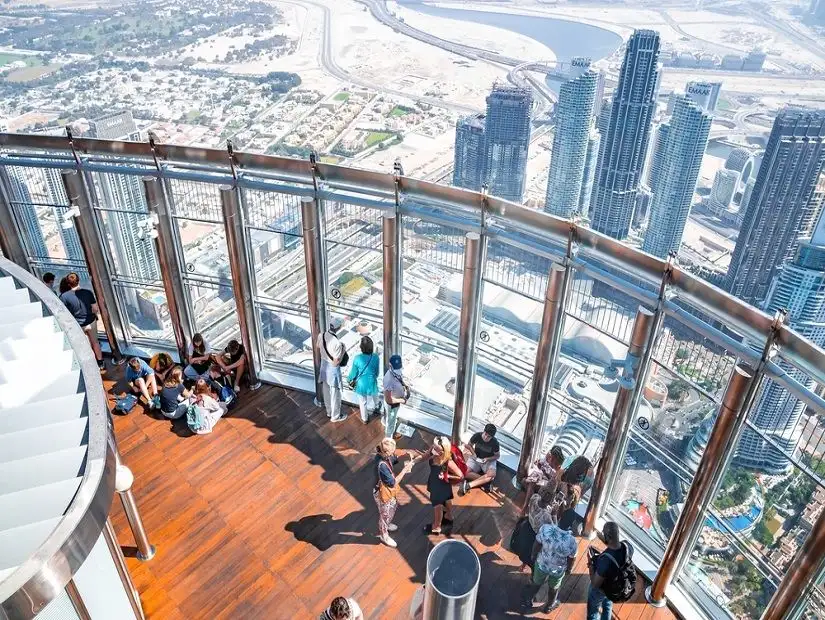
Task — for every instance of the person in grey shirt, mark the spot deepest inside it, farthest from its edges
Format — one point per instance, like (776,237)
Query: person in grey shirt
(396,393)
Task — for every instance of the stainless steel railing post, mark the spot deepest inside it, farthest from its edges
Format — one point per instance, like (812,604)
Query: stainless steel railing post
(77,601)
(122,570)
(616,440)
(93,251)
(392,287)
(123,485)
(241,270)
(10,242)
(313,262)
(475,249)
(169,265)
(729,422)
(546,357)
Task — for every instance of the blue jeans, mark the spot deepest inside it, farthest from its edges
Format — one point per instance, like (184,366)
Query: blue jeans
(596,600)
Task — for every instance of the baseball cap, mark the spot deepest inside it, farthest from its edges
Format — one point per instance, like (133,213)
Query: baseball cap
(395,362)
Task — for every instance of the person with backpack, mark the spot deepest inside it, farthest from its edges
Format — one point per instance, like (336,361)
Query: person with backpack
(202,410)
(554,555)
(363,378)
(333,357)
(396,393)
(612,574)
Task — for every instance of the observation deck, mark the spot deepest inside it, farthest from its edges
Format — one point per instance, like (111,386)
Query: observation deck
(502,314)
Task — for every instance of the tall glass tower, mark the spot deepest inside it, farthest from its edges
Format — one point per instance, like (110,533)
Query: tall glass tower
(624,146)
(135,256)
(507,135)
(56,193)
(574,118)
(783,206)
(681,159)
(589,176)
(27,215)
(799,286)
(470,156)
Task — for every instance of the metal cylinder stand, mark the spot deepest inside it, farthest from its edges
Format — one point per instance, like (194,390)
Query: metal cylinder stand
(453,574)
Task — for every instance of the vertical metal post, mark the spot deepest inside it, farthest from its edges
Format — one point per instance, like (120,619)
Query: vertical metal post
(615,443)
(241,270)
(169,266)
(801,577)
(122,570)
(10,242)
(392,288)
(729,421)
(475,249)
(77,601)
(93,251)
(123,485)
(544,369)
(313,262)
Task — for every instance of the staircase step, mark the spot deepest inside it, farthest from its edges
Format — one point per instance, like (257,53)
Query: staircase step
(27,371)
(42,469)
(15,314)
(38,503)
(44,439)
(12,395)
(42,413)
(28,328)
(37,346)
(7,285)
(19,543)
(17,297)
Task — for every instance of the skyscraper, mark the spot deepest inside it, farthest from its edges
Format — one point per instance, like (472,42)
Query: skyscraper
(723,190)
(135,257)
(507,137)
(589,176)
(470,156)
(658,157)
(56,193)
(799,287)
(676,182)
(574,117)
(783,206)
(624,146)
(26,215)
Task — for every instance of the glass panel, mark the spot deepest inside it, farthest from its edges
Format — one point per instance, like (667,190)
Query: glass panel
(433,257)
(286,336)
(602,307)
(214,310)
(146,310)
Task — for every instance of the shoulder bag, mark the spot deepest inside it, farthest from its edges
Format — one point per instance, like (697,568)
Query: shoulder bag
(385,493)
(344,358)
(363,370)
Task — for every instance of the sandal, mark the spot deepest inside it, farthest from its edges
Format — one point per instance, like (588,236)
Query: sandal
(428,529)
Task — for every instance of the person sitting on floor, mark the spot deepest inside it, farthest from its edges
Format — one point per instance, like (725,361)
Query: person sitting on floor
(162,364)
(233,362)
(141,380)
(198,358)
(203,410)
(483,452)
(172,395)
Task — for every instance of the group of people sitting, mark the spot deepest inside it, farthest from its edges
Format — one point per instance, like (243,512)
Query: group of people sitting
(202,391)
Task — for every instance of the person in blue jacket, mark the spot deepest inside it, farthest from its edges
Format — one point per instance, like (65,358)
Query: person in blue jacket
(363,379)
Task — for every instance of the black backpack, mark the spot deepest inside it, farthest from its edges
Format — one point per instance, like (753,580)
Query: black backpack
(621,583)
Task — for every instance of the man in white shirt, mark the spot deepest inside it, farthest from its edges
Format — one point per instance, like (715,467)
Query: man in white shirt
(332,352)
(396,393)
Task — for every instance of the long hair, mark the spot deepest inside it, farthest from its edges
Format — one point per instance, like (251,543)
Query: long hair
(576,472)
(446,453)
(198,345)
(64,287)
(174,378)
(202,388)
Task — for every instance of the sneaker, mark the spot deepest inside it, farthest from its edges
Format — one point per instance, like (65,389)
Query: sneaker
(487,488)
(392,527)
(341,418)
(548,608)
(463,487)
(101,364)
(388,541)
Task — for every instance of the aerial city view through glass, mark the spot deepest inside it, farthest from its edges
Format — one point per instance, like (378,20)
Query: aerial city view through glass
(687,128)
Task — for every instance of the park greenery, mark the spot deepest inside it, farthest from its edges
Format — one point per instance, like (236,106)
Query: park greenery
(736,488)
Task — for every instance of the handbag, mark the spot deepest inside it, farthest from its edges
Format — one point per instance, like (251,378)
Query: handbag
(516,533)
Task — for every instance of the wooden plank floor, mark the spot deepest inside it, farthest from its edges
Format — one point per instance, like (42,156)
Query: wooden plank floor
(272,515)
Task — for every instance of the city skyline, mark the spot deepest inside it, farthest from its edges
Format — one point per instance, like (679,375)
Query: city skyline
(507,139)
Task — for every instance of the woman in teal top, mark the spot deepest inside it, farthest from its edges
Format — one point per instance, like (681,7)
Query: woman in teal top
(363,379)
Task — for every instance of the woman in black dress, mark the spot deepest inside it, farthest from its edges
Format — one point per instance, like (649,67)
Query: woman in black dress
(444,473)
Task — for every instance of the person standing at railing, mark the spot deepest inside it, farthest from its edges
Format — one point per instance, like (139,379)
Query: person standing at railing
(363,378)
(333,355)
(612,574)
(82,304)
(48,279)
(396,393)
(546,470)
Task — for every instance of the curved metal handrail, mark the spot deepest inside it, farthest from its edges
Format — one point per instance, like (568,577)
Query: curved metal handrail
(703,296)
(43,577)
